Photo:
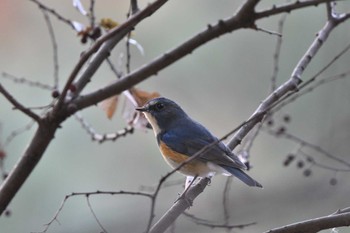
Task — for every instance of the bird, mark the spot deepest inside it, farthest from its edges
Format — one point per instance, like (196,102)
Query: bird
(180,137)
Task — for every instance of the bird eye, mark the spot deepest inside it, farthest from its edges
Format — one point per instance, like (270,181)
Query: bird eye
(159,106)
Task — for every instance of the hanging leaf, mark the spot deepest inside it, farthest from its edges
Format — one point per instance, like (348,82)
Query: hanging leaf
(138,45)
(143,97)
(108,23)
(136,97)
(109,106)
(77,4)
(78,26)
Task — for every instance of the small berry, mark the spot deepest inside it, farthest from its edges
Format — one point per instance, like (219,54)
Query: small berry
(7,213)
(55,94)
(300,164)
(291,156)
(269,122)
(333,181)
(307,172)
(281,130)
(289,159)
(286,118)
(96,33)
(310,159)
(83,40)
(2,154)
(72,88)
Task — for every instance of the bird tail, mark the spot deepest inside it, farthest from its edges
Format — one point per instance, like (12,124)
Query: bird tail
(242,176)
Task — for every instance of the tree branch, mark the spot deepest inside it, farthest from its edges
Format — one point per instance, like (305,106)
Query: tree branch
(257,116)
(104,45)
(26,163)
(316,224)
(291,84)
(244,18)
(179,207)
(18,105)
(54,118)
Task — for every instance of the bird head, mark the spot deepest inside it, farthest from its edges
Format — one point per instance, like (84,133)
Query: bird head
(162,113)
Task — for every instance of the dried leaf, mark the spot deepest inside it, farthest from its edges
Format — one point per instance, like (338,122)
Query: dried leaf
(143,97)
(77,4)
(138,45)
(137,97)
(108,23)
(110,106)
(78,26)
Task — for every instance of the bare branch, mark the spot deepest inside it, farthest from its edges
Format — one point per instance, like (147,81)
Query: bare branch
(87,195)
(54,48)
(26,81)
(53,12)
(102,137)
(304,143)
(179,207)
(288,7)
(290,85)
(277,52)
(244,18)
(291,98)
(18,105)
(225,200)
(210,224)
(316,225)
(134,6)
(92,13)
(94,214)
(111,39)
(18,131)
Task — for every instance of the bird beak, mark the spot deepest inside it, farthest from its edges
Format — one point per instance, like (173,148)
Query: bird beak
(142,109)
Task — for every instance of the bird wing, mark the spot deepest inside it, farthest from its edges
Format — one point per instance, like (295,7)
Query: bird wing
(194,138)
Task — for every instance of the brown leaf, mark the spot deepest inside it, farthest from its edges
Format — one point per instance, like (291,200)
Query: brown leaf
(110,106)
(132,116)
(143,97)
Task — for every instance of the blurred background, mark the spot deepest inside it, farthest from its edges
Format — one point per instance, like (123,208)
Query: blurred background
(219,84)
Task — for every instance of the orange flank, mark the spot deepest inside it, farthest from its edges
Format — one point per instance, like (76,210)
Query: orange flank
(174,159)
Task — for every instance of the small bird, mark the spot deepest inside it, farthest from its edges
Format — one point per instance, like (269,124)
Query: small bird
(179,137)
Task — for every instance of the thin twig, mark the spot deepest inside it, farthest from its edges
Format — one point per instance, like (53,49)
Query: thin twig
(102,137)
(269,32)
(128,55)
(277,53)
(226,199)
(288,7)
(316,224)
(18,105)
(54,48)
(159,63)
(207,223)
(17,132)
(286,101)
(304,143)
(134,6)
(26,81)
(117,73)
(293,83)
(92,13)
(53,12)
(94,214)
(87,194)
(313,162)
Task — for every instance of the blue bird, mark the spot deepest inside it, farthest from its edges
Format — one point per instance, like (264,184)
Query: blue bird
(180,137)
